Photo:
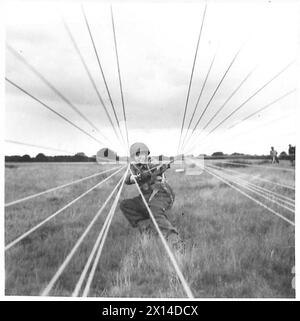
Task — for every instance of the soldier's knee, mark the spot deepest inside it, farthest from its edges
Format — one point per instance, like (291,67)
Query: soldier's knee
(124,205)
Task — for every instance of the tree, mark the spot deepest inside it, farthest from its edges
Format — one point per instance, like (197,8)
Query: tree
(26,158)
(41,157)
(80,157)
(14,158)
(217,154)
(283,155)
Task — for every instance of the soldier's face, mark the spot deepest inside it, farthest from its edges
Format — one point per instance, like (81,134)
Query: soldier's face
(141,158)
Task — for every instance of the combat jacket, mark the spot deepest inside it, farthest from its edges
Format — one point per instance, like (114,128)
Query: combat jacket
(149,183)
(273,152)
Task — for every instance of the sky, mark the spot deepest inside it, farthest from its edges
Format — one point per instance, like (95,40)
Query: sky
(156,46)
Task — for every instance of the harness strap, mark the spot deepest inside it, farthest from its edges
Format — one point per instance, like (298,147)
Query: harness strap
(154,192)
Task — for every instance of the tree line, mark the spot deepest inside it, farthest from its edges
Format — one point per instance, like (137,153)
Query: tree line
(283,155)
(79,157)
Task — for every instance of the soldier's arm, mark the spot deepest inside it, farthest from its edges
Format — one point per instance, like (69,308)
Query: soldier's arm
(163,168)
(158,173)
(129,179)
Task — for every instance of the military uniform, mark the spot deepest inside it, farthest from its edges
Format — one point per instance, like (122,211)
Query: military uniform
(274,157)
(159,196)
(292,151)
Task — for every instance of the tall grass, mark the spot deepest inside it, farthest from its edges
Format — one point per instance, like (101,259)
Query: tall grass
(234,248)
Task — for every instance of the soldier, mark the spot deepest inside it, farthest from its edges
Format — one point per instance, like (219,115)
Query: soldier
(157,192)
(274,157)
(292,150)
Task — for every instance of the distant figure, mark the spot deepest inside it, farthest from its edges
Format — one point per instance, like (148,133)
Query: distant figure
(274,157)
(292,152)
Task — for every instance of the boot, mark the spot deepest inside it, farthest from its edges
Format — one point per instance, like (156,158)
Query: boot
(145,226)
(176,242)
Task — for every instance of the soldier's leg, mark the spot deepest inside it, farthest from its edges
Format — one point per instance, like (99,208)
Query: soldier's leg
(134,210)
(159,206)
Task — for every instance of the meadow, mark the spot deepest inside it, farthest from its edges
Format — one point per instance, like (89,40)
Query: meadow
(234,247)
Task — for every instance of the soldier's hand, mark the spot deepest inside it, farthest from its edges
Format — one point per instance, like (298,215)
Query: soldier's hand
(158,178)
(137,177)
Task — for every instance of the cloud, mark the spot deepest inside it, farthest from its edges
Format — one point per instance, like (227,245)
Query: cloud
(156,49)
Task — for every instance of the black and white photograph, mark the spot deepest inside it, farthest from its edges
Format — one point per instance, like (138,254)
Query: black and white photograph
(149,149)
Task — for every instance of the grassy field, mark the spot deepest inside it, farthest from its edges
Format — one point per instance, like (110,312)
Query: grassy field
(234,247)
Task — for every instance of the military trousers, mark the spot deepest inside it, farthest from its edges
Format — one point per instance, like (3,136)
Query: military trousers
(275,160)
(136,212)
